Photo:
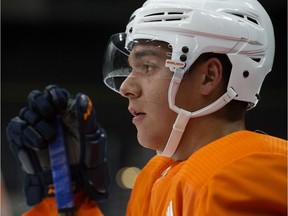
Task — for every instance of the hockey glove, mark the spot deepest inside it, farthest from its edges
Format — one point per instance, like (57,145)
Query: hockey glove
(30,133)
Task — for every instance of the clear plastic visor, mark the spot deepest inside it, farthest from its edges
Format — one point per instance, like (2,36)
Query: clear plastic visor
(116,68)
(149,58)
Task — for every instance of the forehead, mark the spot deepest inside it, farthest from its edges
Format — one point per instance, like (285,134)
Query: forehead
(143,48)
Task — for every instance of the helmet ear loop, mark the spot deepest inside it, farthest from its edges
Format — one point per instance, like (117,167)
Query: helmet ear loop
(173,88)
(182,118)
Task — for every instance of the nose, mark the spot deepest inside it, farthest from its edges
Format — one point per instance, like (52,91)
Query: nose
(130,88)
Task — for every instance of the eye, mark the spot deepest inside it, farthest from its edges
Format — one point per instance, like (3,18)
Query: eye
(147,68)
(143,68)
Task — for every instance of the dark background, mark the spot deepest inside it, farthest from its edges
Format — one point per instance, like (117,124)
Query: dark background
(63,41)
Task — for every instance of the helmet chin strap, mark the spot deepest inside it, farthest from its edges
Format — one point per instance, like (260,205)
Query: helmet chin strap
(184,115)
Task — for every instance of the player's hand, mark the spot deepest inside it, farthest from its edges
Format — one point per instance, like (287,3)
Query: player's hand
(30,133)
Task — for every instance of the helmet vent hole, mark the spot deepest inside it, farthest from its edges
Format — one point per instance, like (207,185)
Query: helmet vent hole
(155,17)
(155,14)
(239,15)
(173,13)
(131,18)
(245,74)
(165,16)
(252,20)
(248,18)
(256,59)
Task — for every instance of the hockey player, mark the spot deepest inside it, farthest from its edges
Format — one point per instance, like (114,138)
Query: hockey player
(190,70)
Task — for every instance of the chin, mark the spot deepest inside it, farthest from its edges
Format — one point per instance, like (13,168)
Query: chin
(146,145)
(150,144)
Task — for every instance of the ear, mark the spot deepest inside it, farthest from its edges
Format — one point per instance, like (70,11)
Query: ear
(212,76)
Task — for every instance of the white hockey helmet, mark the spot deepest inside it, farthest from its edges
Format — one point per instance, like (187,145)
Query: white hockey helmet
(241,29)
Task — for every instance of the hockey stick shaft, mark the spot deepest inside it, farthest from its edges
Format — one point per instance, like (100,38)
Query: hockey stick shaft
(60,167)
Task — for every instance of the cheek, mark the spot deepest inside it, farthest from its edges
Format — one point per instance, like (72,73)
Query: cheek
(155,90)
(159,120)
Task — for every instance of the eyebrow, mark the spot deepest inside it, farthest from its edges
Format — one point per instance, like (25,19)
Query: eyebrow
(143,53)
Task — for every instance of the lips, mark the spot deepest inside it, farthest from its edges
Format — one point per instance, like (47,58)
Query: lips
(137,114)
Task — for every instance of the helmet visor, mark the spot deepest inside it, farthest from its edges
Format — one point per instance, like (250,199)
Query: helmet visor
(116,67)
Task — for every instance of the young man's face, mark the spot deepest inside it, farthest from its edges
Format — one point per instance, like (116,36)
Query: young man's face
(147,89)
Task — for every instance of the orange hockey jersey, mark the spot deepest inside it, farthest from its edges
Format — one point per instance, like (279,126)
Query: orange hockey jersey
(242,174)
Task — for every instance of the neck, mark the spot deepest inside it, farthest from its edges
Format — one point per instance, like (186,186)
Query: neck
(201,131)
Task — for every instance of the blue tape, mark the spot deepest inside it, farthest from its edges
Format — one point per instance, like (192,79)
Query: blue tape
(61,169)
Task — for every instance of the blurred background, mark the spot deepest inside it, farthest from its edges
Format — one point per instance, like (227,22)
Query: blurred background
(62,42)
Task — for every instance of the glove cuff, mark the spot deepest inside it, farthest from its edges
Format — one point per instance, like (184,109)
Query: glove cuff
(94,182)
(38,186)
